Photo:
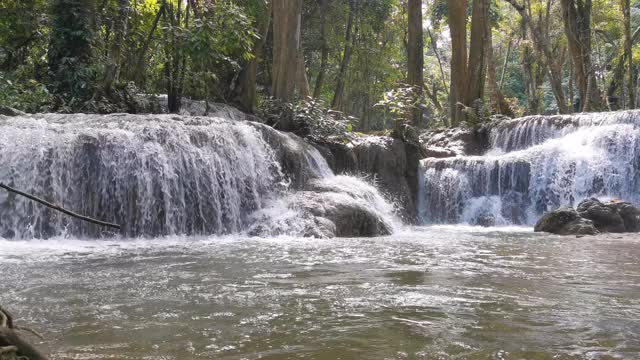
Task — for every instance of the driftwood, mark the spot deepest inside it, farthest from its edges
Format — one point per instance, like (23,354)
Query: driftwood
(62,210)
(12,346)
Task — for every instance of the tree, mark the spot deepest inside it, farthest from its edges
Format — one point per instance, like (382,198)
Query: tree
(245,91)
(576,15)
(286,42)
(120,29)
(553,61)
(626,11)
(324,7)
(415,55)
(458,29)
(336,103)
(71,52)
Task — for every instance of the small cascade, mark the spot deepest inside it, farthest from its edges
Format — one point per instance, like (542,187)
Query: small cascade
(536,164)
(153,174)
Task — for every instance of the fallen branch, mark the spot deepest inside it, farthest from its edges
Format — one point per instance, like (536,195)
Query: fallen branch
(55,207)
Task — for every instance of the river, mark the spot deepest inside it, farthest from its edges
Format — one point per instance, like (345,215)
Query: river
(440,292)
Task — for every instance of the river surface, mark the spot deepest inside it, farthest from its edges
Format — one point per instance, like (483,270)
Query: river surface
(424,293)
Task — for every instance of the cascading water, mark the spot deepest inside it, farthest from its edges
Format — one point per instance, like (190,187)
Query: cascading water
(153,174)
(535,164)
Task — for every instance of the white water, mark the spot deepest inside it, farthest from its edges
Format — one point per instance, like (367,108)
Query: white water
(536,164)
(155,175)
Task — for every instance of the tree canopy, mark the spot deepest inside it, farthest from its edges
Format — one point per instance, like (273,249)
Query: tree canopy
(377,62)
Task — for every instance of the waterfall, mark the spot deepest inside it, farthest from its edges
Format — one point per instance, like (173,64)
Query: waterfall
(153,174)
(535,164)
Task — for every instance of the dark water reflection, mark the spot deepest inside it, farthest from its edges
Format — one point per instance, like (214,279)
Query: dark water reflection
(431,293)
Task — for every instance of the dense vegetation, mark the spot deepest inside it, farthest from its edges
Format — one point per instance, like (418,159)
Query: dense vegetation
(374,63)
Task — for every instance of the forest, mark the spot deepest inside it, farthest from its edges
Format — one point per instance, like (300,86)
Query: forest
(369,64)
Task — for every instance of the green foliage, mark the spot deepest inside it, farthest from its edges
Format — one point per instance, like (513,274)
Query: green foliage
(400,102)
(26,95)
(312,116)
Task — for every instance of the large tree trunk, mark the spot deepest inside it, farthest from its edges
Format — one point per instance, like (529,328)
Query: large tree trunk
(324,58)
(626,9)
(70,49)
(286,40)
(415,55)
(477,58)
(458,29)
(576,15)
(245,92)
(336,103)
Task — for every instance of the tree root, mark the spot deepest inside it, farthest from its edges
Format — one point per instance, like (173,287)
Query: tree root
(12,346)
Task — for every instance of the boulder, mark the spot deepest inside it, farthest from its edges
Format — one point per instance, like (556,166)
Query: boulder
(326,209)
(459,141)
(592,216)
(604,217)
(565,221)
(392,164)
(630,215)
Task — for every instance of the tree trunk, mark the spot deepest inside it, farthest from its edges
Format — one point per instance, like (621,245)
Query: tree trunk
(626,9)
(245,92)
(336,103)
(477,57)
(324,58)
(301,78)
(576,15)
(120,29)
(139,68)
(458,30)
(286,40)
(498,104)
(553,62)
(415,56)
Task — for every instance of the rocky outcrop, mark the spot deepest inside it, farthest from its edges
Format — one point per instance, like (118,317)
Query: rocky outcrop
(330,207)
(390,163)
(591,217)
(461,141)
(613,217)
(565,221)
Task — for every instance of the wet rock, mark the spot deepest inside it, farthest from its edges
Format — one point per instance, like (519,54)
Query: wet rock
(605,218)
(630,215)
(565,221)
(613,217)
(460,141)
(326,209)
(391,163)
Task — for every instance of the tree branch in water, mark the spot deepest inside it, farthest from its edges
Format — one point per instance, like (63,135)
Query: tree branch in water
(62,210)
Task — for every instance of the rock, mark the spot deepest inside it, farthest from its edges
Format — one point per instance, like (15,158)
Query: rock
(630,215)
(565,221)
(9,111)
(604,217)
(392,164)
(460,141)
(326,209)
